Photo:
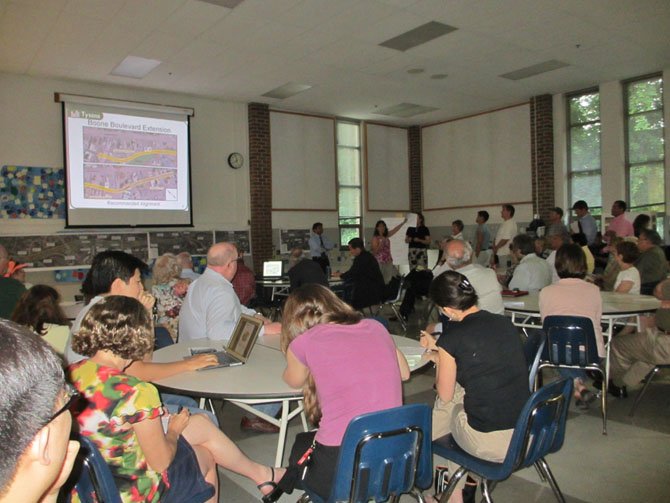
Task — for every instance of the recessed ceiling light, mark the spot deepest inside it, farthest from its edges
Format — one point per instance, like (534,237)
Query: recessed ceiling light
(417,36)
(439,76)
(531,71)
(135,67)
(415,70)
(287,90)
(404,110)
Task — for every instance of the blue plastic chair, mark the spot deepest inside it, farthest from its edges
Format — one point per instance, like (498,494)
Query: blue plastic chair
(571,343)
(540,430)
(94,483)
(532,349)
(383,455)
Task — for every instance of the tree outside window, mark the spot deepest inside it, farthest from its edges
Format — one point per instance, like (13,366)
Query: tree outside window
(349,180)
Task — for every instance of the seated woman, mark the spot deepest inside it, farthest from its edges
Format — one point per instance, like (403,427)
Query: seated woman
(572,296)
(151,457)
(628,279)
(346,365)
(39,309)
(169,290)
(482,377)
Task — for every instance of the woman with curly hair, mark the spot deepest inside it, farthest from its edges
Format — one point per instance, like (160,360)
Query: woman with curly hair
(345,365)
(153,456)
(39,309)
(169,290)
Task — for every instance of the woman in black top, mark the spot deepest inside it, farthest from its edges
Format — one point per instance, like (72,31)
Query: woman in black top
(418,239)
(482,378)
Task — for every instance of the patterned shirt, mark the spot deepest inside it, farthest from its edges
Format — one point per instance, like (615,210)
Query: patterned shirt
(116,401)
(169,298)
(383,253)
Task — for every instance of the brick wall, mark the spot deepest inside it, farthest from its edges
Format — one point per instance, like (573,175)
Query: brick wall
(415,194)
(542,153)
(260,176)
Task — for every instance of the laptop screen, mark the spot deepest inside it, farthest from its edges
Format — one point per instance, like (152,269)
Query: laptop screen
(272,269)
(244,337)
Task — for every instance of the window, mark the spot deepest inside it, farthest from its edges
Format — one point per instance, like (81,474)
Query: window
(584,150)
(349,190)
(645,149)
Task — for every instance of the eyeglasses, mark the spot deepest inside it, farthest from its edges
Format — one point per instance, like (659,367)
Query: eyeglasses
(71,395)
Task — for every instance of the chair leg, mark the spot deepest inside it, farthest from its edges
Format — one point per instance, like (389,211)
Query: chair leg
(542,464)
(540,473)
(451,485)
(650,376)
(418,495)
(397,315)
(304,498)
(487,488)
(603,404)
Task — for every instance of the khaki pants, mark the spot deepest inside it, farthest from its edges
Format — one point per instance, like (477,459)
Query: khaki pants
(634,355)
(450,417)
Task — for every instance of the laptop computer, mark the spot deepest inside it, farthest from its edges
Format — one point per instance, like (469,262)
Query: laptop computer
(239,346)
(273,269)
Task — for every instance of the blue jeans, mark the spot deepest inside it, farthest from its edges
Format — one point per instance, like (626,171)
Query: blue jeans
(271,409)
(174,402)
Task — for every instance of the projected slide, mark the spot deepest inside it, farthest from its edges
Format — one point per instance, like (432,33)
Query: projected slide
(122,161)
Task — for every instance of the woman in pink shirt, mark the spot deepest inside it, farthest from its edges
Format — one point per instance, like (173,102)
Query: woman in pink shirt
(572,296)
(346,365)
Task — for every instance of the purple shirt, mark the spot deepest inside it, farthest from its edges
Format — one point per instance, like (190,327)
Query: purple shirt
(355,369)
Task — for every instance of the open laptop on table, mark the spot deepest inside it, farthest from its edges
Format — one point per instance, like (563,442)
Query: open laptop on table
(239,346)
(273,270)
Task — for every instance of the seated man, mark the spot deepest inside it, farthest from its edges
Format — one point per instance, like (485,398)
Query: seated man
(652,264)
(532,273)
(10,289)
(304,270)
(186,263)
(211,307)
(634,355)
(244,282)
(365,277)
(35,447)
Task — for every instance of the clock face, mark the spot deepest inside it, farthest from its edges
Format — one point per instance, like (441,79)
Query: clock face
(236,160)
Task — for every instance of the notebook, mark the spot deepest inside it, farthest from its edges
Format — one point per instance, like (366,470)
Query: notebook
(239,346)
(272,269)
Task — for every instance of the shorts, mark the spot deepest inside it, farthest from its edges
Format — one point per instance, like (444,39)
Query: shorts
(184,477)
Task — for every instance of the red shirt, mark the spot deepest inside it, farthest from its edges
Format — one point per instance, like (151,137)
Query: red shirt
(244,283)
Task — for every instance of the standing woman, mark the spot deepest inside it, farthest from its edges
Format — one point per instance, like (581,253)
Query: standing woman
(381,248)
(418,239)
(482,378)
(346,365)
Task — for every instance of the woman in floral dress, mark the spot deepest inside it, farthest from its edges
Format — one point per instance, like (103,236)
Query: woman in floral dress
(169,290)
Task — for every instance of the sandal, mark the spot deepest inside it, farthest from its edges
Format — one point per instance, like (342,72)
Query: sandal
(276,491)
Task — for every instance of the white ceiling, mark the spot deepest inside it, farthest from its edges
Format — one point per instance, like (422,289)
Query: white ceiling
(239,54)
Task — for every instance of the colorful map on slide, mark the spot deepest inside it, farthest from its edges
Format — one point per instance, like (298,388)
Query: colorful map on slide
(129,165)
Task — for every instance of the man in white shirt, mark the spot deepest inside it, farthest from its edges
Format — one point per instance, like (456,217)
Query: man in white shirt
(484,281)
(504,236)
(186,263)
(319,245)
(555,240)
(211,307)
(533,273)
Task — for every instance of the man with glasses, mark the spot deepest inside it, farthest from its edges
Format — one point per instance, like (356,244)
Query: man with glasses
(36,453)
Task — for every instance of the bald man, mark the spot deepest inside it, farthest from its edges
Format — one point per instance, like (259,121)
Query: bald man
(211,307)
(10,288)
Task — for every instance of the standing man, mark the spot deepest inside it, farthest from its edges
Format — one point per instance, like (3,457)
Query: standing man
(587,224)
(10,289)
(506,232)
(364,276)
(620,225)
(319,246)
(211,307)
(35,447)
(482,239)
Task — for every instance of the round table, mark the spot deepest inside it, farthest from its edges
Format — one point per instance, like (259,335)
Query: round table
(258,381)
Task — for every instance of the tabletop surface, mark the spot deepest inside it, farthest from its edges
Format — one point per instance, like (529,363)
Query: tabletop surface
(613,303)
(333,280)
(259,378)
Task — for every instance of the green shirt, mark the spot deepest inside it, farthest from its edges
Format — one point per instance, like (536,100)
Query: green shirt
(10,291)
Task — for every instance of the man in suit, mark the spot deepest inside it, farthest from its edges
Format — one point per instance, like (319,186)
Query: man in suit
(365,277)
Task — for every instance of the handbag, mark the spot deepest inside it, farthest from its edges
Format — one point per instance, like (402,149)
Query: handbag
(298,460)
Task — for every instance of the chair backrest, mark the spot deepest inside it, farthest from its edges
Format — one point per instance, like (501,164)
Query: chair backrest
(571,341)
(384,453)
(532,349)
(94,483)
(540,428)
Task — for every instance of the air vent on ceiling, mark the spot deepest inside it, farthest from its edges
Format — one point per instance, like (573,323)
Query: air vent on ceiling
(531,71)
(135,67)
(404,110)
(417,36)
